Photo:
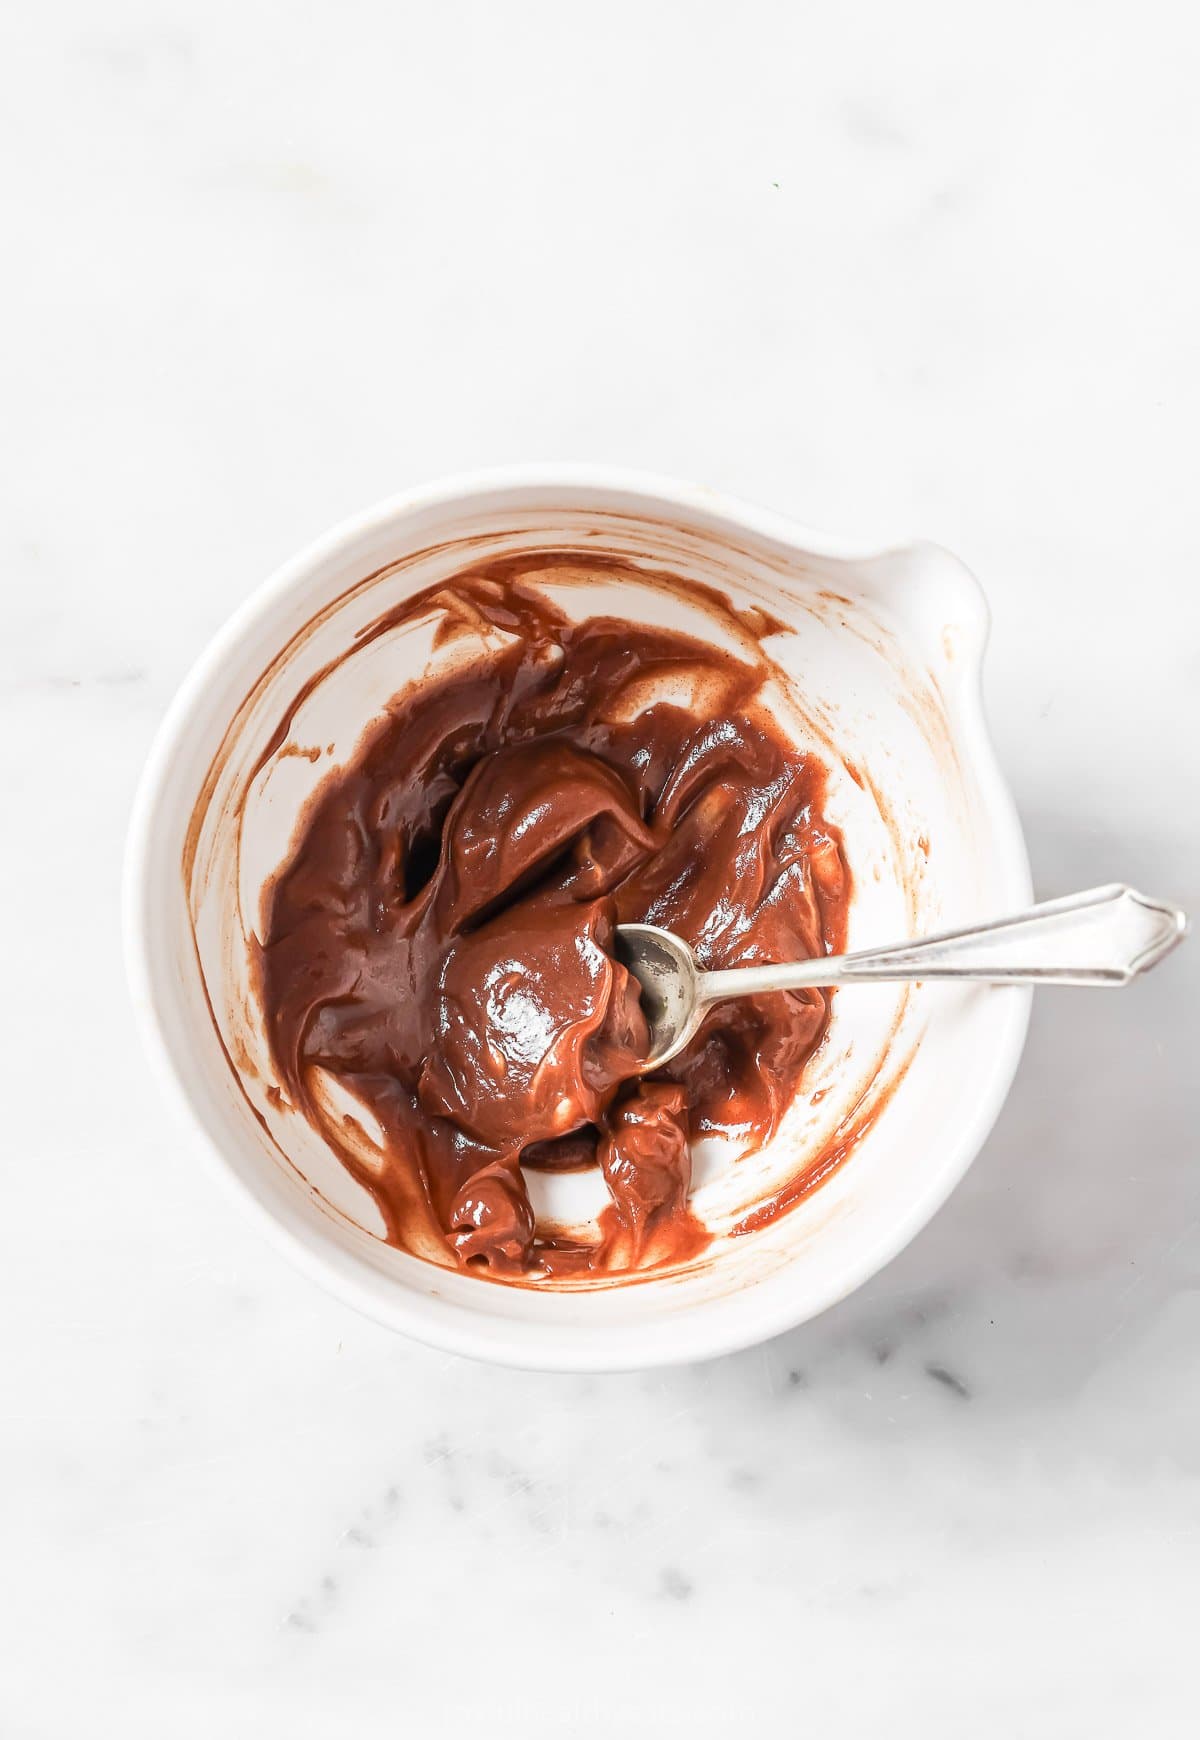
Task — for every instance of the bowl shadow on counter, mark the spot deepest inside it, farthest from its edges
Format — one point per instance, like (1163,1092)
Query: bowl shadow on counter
(1080,1220)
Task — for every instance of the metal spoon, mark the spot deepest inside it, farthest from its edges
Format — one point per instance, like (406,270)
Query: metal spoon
(1104,936)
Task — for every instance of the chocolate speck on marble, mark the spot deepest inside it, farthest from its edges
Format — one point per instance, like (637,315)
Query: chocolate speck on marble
(120,678)
(948,1379)
(674,1586)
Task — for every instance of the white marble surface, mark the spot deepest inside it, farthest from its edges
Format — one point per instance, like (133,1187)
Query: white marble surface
(927,267)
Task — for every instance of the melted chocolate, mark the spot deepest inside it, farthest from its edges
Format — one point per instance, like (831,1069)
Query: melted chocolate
(441,940)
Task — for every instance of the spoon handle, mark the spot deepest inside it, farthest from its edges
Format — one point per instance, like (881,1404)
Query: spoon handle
(1104,936)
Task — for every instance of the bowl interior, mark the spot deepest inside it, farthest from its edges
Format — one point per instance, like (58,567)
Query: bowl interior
(879,670)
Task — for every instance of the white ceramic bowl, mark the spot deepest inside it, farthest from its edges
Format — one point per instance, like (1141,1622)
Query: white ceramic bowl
(885,657)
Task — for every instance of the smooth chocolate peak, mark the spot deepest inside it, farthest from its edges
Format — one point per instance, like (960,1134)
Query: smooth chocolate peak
(440,939)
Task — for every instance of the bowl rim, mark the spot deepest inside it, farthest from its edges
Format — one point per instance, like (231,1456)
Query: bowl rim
(711,1327)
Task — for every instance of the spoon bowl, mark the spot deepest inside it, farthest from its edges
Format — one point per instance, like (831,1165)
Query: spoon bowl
(669,977)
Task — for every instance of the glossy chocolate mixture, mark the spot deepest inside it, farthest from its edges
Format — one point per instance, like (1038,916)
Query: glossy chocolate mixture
(440,943)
